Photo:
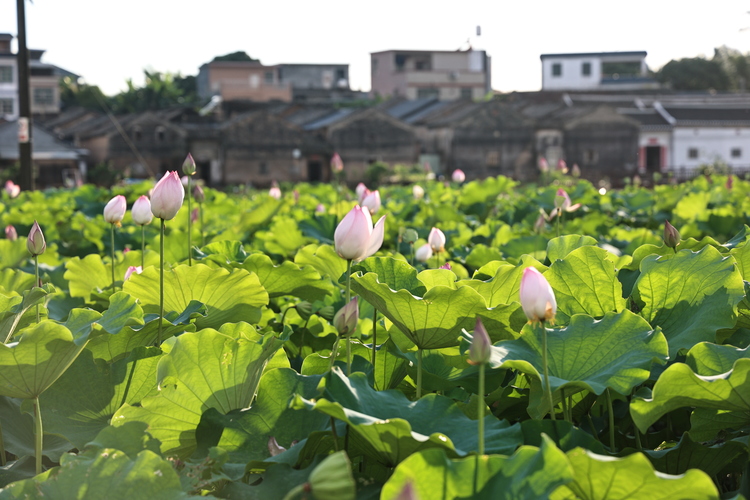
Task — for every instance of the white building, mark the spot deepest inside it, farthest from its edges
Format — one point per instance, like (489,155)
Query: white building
(619,71)
(8,80)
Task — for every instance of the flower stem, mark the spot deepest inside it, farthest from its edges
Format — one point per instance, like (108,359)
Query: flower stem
(38,435)
(348,299)
(335,436)
(36,283)
(161,281)
(2,448)
(548,386)
(374,340)
(412,254)
(112,241)
(566,416)
(295,492)
(480,409)
(559,217)
(190,222)
(419,373)
(203,235)
(143,246)
(611,422)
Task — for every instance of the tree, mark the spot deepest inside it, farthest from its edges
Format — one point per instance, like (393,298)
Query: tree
(240,55)
(74,94)
(159,92)
(695,73)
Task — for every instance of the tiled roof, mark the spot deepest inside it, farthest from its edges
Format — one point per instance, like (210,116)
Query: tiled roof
(44,145)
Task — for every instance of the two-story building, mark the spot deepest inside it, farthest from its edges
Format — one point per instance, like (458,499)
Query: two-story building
(421,74)
(615,71)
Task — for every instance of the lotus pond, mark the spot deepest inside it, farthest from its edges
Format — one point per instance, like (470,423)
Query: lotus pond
(230,392)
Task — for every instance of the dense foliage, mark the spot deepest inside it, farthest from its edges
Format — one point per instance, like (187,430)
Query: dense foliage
(648,359)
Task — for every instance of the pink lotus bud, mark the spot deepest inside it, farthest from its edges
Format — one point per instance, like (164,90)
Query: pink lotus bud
(417,191)
(361,188)
(562,200)
(562,166)
(436,239)
(481,346)
(446,266)
(337,165)
(542,164)
(12,188)
(167,197)
(537,298)
(35,241)
(320,209)
(576,170)
(141,211)
(125,250)
(274,448)
(671,235)
(345,320)
(295,193)
(188,166)
(198,194)
(184,180)
(131,270)
(372,201)
(458,176)
(355,238)
(427,167)
(115,209)
(363,194)
(10,233)
(407,492)
(195,214)
(275,192)
(539,224)
(423,253)
(730,182)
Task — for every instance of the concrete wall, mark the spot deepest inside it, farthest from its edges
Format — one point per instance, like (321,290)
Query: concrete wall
(712,144)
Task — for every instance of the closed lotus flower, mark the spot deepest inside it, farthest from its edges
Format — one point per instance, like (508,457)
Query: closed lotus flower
(12,189)
(417,191)
(423,253)
(563,203)
(131,270)
(274,192)
(11,233)
(458,176)
(537,298)
(345,320)
(141,211)
(337,165)
(671,235)
(167,197)
(436,239)
(372,201)
(35,242)
(356,238)
(361,189)
(115,210)
(481,345)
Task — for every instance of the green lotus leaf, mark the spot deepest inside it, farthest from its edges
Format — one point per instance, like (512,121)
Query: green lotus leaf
(679,386)
(230,297)
(323,258)
(123,311)
(564,434)
(12,253)
(688,454)
(558,248)
(585,282)
(91,274)
(288,278)
(431,278)
(206,369)
(18,312)
(131,438)
(712,359)
(44,351)
(505,284)
(530,473)
(396,273)
(615,352)
(283,236)
(84,399)
(18,434)
(596,477)
(226,253)
(12,280)
(690,295)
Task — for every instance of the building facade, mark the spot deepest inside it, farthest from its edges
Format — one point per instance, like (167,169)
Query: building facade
(621,71)
(242,80)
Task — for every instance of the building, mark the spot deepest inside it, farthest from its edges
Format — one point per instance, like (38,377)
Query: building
(419,74)
(319,83)
(619,71)
(242,80)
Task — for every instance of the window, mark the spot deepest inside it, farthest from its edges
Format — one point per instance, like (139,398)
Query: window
(466,94)
(159,134)
(557,69)
(137,133)
(693,153)
(428,93)
(6,74)
(269,76)
(6,106)
(340,74)
(586,69)
(44,97)
(374,64)
(736,152)
(590,156)
(492,159)
(263,168)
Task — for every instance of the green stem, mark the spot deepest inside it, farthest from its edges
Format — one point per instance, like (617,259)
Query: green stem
(190,222)
(203,235)
(112,241)
(334,353)
(559,216)
(161,281)
(413,253)
(745,482)
(295,492)
(480,409)
(637,433)
(2,448)
(419,373)
(374,340)
(591,424)
(611,422)
(36,283)
(566,416)
(335,436)
(348,299)
(38,435)
(547,384)
(143,246)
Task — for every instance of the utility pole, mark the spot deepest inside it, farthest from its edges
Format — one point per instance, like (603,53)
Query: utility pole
(24,103)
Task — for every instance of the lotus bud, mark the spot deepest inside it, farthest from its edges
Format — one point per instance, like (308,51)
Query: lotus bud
(345,321)
(537,298)
(562,166)
(562,200)
(423,253)
(481,345)
(141,211)
(730,182)
(446,266)
(184,180)
(131,270)
(326,313)
(360,189)
(188,166)
(10,233)
(167,197)
(35,241)
(542,164)
(410,236)
(12,188)
(275,192)
(115,210)
(436,239)
(274,448)
(320,209)
(337,165)
(332,479)
(304,309)
(195,214)
(427,167)
(198,194)
(407,492)
(372,201)
(125,250)
(576,170)
(295,193)
(458,176)
(417,191)
(671,235)
(355,237)
(540,223)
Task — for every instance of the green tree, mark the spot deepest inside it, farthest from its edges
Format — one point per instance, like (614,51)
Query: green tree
(240,55)
(74,94)
(696,73)
(159,92)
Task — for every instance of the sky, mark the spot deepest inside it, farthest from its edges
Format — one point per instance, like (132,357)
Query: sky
(108,42)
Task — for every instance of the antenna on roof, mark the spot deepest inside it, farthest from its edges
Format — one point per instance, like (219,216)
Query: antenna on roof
(479,31)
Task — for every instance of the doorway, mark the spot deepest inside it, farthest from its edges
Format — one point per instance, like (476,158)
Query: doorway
(653,159)
(314,171)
